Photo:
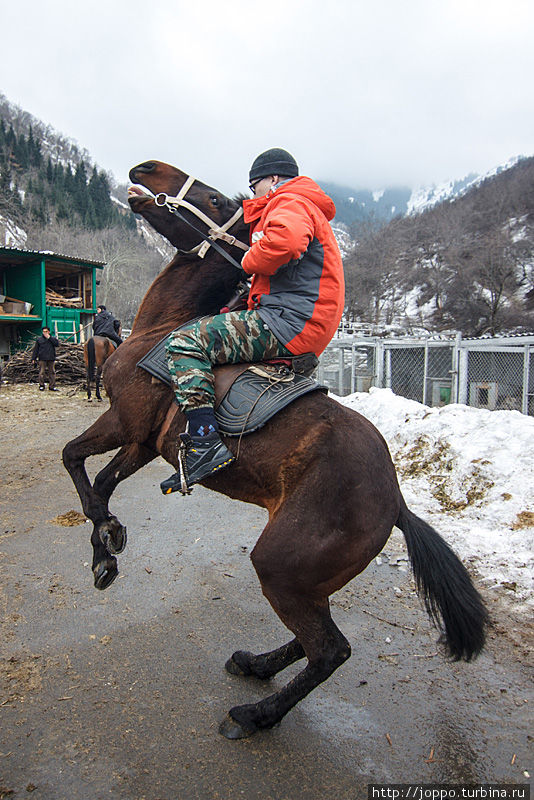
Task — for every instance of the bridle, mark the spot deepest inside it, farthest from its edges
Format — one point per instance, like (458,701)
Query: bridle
(214,231)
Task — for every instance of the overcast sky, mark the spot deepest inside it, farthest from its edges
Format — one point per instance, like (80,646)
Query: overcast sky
(367,93)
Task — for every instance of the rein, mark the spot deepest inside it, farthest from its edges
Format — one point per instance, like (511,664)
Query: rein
(214,231)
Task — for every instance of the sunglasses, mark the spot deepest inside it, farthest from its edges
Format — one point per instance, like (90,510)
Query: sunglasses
(252,186)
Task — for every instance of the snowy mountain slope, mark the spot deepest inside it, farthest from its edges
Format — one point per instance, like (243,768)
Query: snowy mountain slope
(425,197)
(357,205)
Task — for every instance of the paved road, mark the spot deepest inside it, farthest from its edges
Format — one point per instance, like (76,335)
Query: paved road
(119,694)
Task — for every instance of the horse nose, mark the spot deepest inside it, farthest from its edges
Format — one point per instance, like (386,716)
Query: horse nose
(145,169)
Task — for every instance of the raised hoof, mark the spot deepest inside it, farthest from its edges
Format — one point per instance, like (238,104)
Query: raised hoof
(238,663)
(105,573)
(113,535)
(232,729)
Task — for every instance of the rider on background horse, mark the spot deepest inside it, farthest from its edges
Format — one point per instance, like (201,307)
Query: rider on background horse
(105,324)
(294,306)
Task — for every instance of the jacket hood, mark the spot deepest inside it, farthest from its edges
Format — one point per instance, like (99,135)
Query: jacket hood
(300,186)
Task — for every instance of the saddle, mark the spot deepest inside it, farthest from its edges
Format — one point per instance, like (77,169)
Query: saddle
(247,395)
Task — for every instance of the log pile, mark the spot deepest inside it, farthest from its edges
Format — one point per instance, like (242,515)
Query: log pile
(56,299)
(69,365)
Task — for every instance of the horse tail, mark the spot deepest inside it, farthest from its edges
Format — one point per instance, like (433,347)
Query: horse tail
(451,601)
(91,359)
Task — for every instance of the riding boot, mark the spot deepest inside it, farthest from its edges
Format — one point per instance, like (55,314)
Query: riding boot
(202,452)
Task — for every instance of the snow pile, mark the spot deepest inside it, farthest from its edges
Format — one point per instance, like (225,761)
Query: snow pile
(470,473)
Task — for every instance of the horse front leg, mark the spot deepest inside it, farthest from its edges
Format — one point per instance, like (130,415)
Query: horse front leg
(126,462)
(104,435)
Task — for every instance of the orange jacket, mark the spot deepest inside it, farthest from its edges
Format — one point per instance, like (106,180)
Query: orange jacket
(298,285)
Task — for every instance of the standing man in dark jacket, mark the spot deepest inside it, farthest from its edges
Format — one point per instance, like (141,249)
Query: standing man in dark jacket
(44,352)
(105,324)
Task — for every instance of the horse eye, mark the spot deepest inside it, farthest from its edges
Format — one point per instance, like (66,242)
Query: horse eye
(214,200)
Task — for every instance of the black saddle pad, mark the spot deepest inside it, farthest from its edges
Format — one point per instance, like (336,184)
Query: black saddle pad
(258,394)
(254,397)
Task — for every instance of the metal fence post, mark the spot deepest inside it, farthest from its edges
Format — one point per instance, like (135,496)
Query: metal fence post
(425,371)
(387,382)
(379,364)
(463,356)
(341,366)
(526,379)
(455,367)
(353,367)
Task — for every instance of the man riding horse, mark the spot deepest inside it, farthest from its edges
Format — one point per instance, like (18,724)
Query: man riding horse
(105,324)
(294,306)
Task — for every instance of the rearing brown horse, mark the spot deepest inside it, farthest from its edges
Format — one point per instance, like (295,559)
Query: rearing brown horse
(322,471)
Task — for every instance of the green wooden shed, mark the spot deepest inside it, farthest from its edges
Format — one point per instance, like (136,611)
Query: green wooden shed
(40,288)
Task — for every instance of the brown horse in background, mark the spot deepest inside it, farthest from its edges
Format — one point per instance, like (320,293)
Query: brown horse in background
(96,352)
(322,471)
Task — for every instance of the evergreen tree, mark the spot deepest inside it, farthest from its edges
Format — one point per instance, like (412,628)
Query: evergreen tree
(2,142)
(5,180)
(80,195)
(21,153)
(17,199)
(11,139)
(49,171)
(33,150)
(99,194)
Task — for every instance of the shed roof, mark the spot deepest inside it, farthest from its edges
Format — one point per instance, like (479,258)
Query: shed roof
(14,256)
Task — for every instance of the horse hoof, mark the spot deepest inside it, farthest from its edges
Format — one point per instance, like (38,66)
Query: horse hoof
(113,535)
(232,729)
(238,663)
(105,573)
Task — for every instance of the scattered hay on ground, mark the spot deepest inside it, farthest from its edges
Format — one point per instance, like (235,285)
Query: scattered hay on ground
(69,519)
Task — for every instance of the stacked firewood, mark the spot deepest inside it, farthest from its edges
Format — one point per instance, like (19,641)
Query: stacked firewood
(69,365)
(56,299)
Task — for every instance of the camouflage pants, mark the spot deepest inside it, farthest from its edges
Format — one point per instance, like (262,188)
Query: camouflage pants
(223,339)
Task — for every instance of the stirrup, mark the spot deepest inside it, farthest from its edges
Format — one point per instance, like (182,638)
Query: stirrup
(198,458)
(178,481)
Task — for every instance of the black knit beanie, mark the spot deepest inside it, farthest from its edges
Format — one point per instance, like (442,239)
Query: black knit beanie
(273,162)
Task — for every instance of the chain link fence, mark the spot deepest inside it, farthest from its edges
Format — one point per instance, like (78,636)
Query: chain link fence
(495,373)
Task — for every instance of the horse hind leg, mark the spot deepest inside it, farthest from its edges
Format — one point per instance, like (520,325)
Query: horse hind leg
(265,665)
(325,648)
(293,581)
(97,384)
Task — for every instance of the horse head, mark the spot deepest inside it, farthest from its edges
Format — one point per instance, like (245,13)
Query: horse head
(199,221)
(201,207)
